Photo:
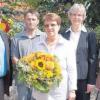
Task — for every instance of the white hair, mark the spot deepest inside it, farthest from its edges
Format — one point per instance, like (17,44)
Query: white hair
(77,7)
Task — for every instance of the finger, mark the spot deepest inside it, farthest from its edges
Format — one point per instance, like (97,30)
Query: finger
(87,92)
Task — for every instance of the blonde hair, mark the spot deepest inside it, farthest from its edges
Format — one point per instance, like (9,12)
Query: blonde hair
(77,7)
(52,17)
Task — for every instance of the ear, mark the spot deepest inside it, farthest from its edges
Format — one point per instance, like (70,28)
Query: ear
(38,21)
(59,27)
(85,17)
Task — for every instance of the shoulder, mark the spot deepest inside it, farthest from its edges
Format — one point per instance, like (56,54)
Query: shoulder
(39,32)
(17,37)
(40,38)
(66,33)
(92,33)
(91,36)
(4,35)
(65,42)
(68,45)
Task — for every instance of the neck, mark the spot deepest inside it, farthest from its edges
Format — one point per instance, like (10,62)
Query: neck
(52,40)
(31,32)
(76,28)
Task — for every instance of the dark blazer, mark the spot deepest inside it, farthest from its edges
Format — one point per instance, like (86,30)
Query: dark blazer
(85,56)
(7,78)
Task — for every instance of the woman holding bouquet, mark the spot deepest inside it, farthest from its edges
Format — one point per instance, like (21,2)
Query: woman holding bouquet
(55,44)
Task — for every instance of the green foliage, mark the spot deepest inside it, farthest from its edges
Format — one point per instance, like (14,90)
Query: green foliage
(33,3)
(61,7)
(6,10)
(45,6)
(16,28)
(97,30)
(93,12)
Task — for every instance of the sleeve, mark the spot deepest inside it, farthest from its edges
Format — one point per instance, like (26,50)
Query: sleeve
(92,58)
(71,69)
(14,48)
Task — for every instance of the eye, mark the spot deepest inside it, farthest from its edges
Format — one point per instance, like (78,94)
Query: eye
(73,14)
(50,25)
(53,25)
(45,26)
(34,19)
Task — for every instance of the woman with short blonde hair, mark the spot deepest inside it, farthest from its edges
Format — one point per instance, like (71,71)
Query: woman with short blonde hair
(55,44)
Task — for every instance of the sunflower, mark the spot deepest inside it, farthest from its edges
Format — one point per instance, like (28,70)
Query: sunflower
(50,65)
(32,64)
(40,64)
(49,74)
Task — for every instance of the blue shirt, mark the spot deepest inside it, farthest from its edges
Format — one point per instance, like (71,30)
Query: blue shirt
(3,59)
(22,45)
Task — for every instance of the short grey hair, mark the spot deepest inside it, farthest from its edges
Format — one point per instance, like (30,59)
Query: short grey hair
(77,7)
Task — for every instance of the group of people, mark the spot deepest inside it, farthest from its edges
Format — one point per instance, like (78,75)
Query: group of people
(75,49)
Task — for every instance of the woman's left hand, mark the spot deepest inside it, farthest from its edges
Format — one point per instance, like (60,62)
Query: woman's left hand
(72,95)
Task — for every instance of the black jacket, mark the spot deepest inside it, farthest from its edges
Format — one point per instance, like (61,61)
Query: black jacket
(85,56)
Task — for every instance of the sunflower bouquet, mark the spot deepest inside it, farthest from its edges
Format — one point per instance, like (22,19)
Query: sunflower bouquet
(40,70)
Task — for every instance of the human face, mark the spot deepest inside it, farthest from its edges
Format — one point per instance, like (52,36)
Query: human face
(31,21)
(51,28)
(77,18)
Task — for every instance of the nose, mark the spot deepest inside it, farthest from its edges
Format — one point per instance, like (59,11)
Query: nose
(49,27)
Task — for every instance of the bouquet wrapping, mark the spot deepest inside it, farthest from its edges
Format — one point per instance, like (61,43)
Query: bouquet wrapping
(40,70)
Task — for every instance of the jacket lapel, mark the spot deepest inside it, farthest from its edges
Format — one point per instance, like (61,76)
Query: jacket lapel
(81,39)
(67,35)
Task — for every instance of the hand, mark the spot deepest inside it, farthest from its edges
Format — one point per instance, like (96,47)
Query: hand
(72,95)
(90,88)
(14,60)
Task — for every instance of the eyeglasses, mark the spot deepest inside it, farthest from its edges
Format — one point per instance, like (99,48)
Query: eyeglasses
(74,14)
(52,25)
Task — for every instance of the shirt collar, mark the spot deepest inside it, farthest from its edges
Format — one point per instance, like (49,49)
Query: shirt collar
(83,28)
(60,41)
(37,33)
